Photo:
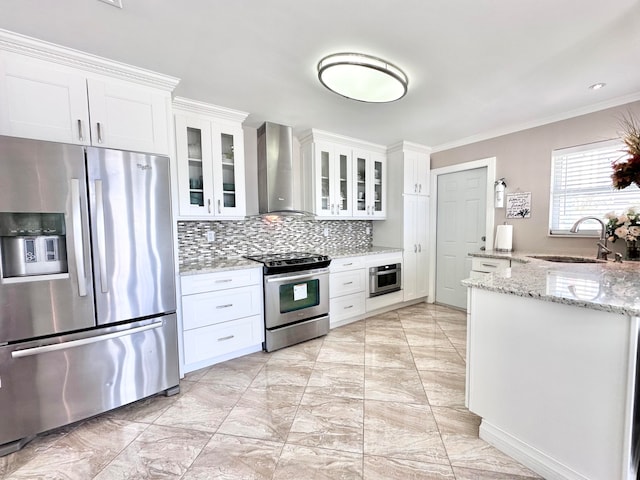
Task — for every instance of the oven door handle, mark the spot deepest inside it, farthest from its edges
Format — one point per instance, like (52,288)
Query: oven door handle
(385,272)
(289,279)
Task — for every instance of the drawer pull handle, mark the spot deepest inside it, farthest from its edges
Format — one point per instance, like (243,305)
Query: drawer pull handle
(348,306)
(348,283)
(490,265)
(225,306)
(226,338)
(224,280)
(347,264)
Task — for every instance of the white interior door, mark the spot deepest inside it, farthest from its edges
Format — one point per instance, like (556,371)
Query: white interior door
(460,229)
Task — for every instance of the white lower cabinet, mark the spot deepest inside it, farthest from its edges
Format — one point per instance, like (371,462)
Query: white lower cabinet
(347,289)
(482,266)
(221,316)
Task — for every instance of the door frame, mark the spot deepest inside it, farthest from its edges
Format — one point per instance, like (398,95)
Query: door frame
(490,164)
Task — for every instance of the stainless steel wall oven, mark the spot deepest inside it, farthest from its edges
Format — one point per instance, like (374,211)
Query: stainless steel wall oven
(296,297)
(385,279)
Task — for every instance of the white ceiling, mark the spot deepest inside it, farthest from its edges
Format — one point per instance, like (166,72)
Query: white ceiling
(477,68)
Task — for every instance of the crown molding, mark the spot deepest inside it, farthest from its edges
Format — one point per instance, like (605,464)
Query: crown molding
(316,135)
(32,47)
(201,108)
(405,146)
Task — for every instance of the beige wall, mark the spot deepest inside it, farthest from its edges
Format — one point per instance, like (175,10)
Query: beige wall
(524,160)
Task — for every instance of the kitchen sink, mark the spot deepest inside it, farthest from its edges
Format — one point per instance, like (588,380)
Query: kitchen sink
(566,259)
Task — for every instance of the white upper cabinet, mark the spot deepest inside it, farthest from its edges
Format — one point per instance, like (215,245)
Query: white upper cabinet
(51,93)
(416,172)
(331,181)
(370,180)
(128,117)
(210,156)
(343,178)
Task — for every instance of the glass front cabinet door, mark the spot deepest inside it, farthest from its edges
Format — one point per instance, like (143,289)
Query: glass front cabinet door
(333,185)
(193,148)
(228,171)
(369,185)
(210,156)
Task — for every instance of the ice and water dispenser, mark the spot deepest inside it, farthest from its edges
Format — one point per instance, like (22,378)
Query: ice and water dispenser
(32,244)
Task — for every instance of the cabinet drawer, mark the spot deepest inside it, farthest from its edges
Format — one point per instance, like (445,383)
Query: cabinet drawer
(488,265)
(202,309)
(215,340)
(343,264)
(211,282)
(346,283)
(347,306)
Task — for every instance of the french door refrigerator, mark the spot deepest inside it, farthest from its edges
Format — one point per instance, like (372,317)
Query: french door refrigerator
(87,297)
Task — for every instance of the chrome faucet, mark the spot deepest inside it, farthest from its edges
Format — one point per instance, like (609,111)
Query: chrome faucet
(603,250)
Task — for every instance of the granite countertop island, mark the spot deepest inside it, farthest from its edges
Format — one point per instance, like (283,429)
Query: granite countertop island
(608,286)
(552,354)
(220,264)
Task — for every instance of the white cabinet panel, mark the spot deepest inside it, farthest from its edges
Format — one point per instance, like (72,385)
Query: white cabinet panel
(346,263)
(221,314)
(210,308)
(42,102)
(128,117)
(211,282)
(46,101)
(345,283)
(347,306)
(348,177)
(210,156)
(221,339)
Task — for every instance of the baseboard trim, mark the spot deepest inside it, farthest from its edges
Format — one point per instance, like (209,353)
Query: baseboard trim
(539,462)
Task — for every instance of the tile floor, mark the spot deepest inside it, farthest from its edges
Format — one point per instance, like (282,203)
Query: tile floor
(382,398)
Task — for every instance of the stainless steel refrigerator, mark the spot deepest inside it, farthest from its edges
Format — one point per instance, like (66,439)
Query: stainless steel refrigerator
(87,297)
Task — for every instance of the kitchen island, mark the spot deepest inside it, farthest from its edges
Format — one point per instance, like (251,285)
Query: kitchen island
(552,354)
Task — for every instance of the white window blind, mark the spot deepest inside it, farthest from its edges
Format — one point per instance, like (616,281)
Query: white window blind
(581,186)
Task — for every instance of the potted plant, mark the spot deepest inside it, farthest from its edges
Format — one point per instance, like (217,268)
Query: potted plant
(626,169)
(626,227)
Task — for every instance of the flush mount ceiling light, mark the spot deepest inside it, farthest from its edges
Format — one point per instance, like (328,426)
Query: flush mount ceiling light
(362,77)
(597,86)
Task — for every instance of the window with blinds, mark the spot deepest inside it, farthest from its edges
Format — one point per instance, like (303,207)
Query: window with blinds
(581,186)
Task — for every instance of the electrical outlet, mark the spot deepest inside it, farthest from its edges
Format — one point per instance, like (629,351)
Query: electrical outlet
(325,232)
(211,236)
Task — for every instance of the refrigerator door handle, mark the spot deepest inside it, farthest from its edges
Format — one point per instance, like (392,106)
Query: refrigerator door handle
(28,352)
(101,234)
(78,245)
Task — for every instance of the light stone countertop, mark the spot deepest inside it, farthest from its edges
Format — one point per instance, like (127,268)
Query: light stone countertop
(237,263)
(608,286)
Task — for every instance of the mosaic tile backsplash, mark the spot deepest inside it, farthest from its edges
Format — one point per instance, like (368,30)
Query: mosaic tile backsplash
(267,235)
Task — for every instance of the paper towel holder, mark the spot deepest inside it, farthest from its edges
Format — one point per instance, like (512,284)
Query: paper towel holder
(504,240)
(499,187)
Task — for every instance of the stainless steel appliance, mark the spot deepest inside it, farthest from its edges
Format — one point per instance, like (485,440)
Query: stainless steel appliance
(385,279)
(275,170)
(296,297)
(87,317)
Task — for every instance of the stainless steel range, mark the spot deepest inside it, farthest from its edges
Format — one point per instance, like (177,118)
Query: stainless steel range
(296,297)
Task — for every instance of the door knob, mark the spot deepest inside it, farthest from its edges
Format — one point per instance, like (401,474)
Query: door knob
(483,238)
(482,248)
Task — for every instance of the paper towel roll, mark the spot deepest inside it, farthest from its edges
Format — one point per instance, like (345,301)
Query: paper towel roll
(504,238)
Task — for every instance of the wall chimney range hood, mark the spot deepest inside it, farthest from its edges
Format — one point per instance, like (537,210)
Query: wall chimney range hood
(275,171)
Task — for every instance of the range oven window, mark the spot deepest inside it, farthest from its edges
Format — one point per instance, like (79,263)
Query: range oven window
(298,295)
